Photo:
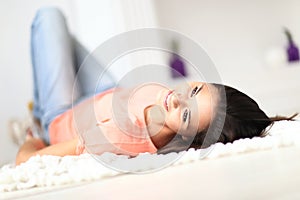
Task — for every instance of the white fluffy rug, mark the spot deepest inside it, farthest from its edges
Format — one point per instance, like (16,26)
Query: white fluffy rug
(49,171)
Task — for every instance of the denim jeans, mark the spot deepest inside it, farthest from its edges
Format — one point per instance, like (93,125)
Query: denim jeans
(56,59)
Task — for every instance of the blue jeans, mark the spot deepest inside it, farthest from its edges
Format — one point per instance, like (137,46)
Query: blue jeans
(56,59)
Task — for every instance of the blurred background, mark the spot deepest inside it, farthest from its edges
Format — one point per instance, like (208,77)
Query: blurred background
(245,39)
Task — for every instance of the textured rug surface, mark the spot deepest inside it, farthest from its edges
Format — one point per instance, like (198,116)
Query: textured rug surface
(53,171)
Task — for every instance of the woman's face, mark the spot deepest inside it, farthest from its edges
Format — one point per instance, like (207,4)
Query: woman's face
(187,109)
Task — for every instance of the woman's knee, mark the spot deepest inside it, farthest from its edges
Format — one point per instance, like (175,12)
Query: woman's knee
(48,15)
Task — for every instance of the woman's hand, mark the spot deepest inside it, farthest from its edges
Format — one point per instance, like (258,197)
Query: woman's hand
(29,148)
(36,146)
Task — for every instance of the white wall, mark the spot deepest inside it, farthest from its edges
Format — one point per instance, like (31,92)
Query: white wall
(99,21)
(237,35)
(15,64)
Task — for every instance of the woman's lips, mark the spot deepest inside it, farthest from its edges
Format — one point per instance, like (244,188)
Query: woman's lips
(166,100)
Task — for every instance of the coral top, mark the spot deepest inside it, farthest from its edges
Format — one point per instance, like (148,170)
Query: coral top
(112,121)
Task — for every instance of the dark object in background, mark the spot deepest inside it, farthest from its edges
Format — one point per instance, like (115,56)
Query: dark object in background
(176,63)
(292,49)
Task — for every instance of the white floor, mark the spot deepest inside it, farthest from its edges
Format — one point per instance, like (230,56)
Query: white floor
(267,174)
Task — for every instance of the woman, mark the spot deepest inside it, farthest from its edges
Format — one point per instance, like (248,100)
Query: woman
(153,118)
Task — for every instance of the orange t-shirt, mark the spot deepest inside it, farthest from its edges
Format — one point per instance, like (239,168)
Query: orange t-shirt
(112,121)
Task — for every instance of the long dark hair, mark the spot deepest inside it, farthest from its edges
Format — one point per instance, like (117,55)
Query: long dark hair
(236,116)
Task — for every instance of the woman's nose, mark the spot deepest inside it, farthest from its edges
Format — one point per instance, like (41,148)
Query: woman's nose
(176,100)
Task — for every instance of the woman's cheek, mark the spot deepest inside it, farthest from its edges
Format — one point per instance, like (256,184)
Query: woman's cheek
(157,115)
(173,122)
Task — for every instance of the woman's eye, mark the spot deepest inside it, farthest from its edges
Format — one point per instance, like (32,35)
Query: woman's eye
(185,115)
(194,91)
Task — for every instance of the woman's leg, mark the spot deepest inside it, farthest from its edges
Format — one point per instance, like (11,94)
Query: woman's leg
(53,66)
(89,71)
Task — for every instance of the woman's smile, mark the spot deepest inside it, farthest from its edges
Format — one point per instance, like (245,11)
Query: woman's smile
(164,99)
(167,100)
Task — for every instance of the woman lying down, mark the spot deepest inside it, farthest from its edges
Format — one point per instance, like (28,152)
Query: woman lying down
(147,118)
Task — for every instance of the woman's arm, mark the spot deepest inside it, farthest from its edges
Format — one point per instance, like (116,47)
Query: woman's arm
(35,146)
